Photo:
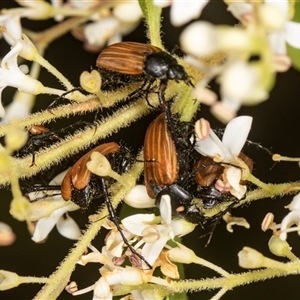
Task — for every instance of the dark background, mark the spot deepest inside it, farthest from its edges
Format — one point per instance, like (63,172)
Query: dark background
(276,126)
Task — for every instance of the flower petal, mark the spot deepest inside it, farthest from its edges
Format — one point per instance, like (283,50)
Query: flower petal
(295,204)
(181,227)
(138,222)
(240,10)
(45,225)
(207,147)
(138,197)
(291,218)
(68,228)
(102,289)
(98,33)
(277,42)
(236,133)
(181,12)
(292,34)
(166,209)
(151,251)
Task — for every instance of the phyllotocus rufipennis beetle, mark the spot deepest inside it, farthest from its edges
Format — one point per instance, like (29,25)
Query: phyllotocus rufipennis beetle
(136,59)
(208,172)
(162,170)
(78,176)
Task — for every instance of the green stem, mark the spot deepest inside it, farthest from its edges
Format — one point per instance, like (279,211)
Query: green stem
(152,16)
(72,144)
(205,263)
(271,191)
(223,283)
(31,279)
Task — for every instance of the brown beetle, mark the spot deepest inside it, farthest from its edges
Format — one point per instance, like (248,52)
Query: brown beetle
(39,135)
(38,129)
(161,165)
(126,57)
(78,177)
(207,173)
(162,172)
(136,59)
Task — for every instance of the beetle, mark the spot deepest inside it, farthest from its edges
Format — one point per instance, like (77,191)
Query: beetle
(138,59)
(207,173)
(81,186)
(76,183)
(39,136)
(162,170)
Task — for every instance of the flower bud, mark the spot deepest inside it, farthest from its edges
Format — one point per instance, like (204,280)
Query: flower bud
(199,39)
(138,197)
(8,280)
(280,248)
(90,82)
(250,258)
(15,138)
(272,17)
(128,12)
(28,50)
(7,237)
(181,254)
(20,208)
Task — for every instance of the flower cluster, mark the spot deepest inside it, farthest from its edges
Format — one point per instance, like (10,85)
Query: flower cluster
(250,53)
(149,235)
(226,152)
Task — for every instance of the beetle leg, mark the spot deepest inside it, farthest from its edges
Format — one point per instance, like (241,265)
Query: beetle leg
(114,218)
(216,222)
(145,87)
(62,96)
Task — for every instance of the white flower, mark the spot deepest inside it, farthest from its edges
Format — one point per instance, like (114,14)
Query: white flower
(53,211)
(102,32)
(13,25)
(35,10)
(182,11)
(66,226)
(291,218)
(155,236)
(20,107)
(109,29)
(11,75)
(227,150)
(275,17)
(112,274)
(241,83)
(200,39)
